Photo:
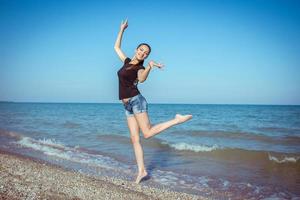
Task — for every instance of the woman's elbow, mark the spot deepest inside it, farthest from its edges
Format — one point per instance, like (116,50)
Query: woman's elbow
(142,80)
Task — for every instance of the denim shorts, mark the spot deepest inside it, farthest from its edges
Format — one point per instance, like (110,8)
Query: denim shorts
(136,104)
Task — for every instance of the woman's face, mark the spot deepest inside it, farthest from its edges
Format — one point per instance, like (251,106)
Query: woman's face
(142,52)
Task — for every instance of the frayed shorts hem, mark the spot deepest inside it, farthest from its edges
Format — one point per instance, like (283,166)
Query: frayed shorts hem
(138,112)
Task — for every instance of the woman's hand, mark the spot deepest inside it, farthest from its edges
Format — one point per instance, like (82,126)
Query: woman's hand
(153,64)
(124,25)
(143,73)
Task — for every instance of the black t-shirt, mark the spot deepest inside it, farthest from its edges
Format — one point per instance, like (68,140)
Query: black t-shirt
(128,79)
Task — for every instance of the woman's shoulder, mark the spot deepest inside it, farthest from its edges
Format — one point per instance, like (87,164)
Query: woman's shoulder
(127,60)
(141,67)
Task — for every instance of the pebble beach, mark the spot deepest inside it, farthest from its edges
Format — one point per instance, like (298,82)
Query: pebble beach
(26,178)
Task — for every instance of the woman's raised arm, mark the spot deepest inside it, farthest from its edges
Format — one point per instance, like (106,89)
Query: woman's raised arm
(143,73)
(117,47)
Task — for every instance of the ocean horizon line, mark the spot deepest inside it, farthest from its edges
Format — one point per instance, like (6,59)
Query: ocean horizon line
(221,104)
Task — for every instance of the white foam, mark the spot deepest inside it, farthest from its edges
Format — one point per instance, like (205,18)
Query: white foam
(45,145)
(226,184)
(192,147)
(181,180)
(51,142)
(284,160)
(53,148)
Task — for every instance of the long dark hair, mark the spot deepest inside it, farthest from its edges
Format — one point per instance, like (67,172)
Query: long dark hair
(141,62)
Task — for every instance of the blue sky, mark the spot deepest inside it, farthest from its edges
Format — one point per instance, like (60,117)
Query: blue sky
(223,52)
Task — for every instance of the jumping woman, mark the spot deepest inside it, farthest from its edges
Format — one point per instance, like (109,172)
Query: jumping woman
(131,73)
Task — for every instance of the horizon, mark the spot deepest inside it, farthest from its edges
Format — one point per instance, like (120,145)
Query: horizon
(152,103)
(232,52)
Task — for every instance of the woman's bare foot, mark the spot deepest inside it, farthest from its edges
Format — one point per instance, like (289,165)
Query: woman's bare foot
(182,118)
(140,176)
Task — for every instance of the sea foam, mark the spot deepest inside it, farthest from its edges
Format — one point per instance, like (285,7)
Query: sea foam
(54,148)
(284,160)
(192,147)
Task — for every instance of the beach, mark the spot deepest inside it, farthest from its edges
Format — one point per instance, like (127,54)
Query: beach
(26,178)
(79,151)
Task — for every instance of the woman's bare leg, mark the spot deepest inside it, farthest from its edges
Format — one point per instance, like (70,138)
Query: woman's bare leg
(135,139)
(149,130)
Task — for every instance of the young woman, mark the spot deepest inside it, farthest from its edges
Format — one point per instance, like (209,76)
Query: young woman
(135,104)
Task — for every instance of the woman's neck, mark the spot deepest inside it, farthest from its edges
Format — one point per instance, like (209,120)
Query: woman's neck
(134,61)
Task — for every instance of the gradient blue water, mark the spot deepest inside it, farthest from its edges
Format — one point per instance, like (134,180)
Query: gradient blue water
(80,124)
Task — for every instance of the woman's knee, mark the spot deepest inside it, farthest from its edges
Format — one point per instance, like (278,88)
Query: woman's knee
(135,139)
(146,132)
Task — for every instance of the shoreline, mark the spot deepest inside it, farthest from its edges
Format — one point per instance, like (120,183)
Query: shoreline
(23,177)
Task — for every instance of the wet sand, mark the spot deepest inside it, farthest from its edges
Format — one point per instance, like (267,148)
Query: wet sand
(26,178)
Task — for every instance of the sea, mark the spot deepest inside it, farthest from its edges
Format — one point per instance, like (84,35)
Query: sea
(223,152)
